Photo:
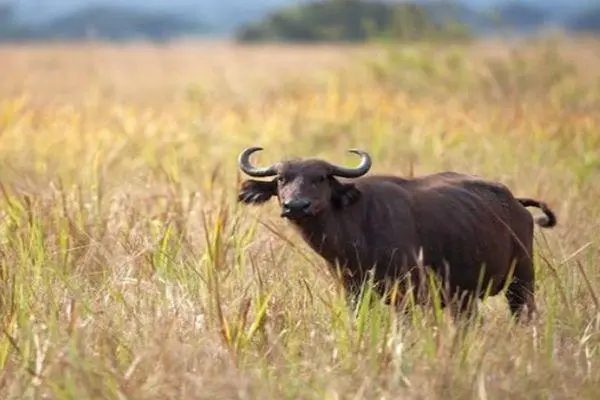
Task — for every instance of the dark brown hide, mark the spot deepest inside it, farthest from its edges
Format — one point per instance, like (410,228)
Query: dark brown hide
(462,223)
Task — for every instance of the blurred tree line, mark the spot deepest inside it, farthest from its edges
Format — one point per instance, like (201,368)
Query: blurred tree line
(352,20)
(316,20)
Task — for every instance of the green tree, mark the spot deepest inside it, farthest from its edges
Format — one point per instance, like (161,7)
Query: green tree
(350,21)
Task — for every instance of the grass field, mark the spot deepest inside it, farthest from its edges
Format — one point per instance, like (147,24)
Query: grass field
(129,271)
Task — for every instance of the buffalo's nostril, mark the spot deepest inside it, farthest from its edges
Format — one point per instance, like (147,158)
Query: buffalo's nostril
(297,205)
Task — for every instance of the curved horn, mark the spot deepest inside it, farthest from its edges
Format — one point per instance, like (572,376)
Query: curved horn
(248,168)
(362,168)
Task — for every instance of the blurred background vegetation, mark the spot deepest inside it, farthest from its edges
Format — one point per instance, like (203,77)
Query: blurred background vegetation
(127,269)
(290,20)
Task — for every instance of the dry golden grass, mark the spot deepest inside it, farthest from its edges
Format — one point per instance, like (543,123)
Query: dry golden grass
(129,271)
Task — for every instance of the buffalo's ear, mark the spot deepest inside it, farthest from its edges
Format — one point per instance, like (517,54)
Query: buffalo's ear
(257,192)
(343,194)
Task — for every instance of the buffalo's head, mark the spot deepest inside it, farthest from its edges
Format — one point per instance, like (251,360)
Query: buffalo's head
(304,188)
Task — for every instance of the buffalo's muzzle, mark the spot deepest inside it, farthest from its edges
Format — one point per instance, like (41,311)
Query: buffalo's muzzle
(295,208)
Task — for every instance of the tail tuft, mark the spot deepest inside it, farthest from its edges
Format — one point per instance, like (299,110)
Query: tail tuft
(549,218)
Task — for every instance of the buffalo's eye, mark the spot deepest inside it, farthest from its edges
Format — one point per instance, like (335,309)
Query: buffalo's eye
(319,179)
(280,179)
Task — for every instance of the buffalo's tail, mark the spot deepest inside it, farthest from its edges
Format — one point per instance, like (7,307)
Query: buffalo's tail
(549,218)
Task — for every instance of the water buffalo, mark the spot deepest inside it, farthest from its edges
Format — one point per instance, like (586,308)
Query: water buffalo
(457,222)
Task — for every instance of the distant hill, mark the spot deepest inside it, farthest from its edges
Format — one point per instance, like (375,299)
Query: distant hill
(104,22)
(520,15)
(119,23)
(220,15)
(10,28)
(587,21)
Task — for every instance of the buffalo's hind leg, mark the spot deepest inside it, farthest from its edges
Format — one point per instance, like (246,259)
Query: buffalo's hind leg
(521,291)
